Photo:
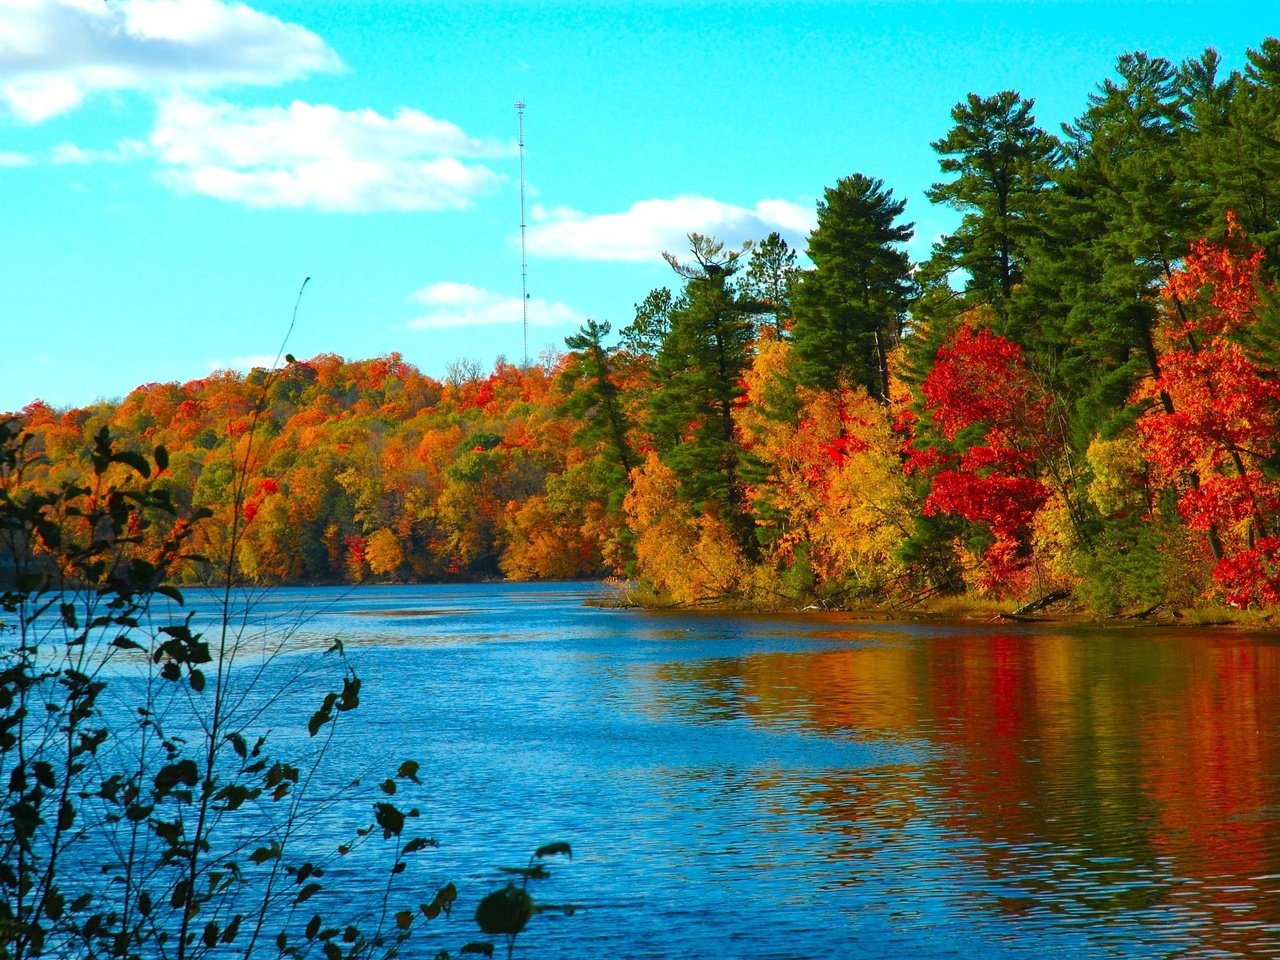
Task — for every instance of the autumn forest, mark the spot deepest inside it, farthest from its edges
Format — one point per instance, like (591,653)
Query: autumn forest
(1076,394)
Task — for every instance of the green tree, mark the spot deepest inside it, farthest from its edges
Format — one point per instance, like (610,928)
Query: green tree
(1122,218)
(1002,163)
(1235,155)
(770,272)
(645,334)
(594,396)
(700,369)
(851,308)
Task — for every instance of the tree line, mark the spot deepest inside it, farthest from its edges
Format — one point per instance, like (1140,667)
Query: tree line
(1078,390)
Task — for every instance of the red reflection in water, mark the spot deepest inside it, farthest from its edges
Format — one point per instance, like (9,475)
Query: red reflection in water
(1101,772)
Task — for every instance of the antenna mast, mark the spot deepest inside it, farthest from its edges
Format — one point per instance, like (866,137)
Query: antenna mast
(524,260)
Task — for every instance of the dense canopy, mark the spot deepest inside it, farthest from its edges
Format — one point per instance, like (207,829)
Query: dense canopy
(1078,392)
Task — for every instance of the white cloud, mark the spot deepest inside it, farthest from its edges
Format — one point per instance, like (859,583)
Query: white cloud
(244,364)
(11,158)
(54,53)
(462,305)
(122,152)
(649,227)
(315,155)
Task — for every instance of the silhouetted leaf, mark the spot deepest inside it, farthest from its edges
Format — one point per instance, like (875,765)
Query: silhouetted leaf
(318,720)
(505,911)
(389,819)
(54,904)
(129,458)
(553,849)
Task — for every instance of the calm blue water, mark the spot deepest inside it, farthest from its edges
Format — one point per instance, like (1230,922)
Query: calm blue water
(804,787)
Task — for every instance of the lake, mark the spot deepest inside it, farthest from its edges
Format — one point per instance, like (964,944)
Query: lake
(809,786)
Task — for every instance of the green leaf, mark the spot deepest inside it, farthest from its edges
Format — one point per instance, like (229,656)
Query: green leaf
(263,854)
(318,720)
(307,892)
(131,459)
(162,457)
(409,771)
(536,872)
(482,947)
(388,786)
(350,698)
(419,843)
(44,774)
(313,927)
(404,919)
(389,819)
(553,849)
(54,904)
(505,911)
(197,681)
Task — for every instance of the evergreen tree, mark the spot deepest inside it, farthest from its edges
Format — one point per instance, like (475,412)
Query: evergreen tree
(1002,163)
(1121,219)
(644,335)
(1235,155)
(596,399)
(770,273)
(700,368)
(851,308)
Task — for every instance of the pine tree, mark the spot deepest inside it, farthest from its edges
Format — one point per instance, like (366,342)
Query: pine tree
(1002,163)
(770,273)
(700,368)
(851,308)
(596,399)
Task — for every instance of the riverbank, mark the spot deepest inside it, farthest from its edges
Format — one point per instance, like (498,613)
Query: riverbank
(961,609)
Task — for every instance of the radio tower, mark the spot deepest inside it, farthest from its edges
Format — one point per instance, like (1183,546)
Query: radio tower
(524,260)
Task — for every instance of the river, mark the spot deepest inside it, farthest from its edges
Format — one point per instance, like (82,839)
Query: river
(808,786)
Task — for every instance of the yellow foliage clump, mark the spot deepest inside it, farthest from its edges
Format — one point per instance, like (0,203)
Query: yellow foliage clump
(687,558)
(1119,481)
(1055,546)
(383,553)
(834,478)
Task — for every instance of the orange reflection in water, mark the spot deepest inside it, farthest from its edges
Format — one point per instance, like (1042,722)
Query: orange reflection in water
(1090,773)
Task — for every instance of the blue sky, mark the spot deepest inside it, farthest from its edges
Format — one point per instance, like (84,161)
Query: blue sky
(171,170)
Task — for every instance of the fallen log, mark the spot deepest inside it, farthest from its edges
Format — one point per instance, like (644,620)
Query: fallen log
(1037,605)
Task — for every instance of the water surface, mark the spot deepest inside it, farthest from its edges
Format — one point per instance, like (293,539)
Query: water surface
(815,786)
